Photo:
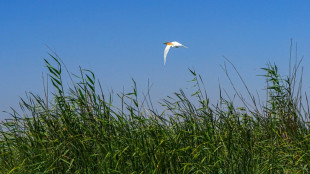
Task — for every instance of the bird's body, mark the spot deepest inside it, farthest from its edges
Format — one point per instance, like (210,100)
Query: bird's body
(169,45)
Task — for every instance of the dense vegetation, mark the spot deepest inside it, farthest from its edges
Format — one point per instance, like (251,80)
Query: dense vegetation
(78,130)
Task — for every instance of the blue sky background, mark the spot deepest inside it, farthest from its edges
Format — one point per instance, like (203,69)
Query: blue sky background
(120,40)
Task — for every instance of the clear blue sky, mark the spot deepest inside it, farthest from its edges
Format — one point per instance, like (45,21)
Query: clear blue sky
(123,39)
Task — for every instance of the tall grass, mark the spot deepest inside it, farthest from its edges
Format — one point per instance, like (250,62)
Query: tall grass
(78,130)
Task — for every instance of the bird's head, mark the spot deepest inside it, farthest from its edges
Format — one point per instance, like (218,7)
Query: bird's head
(169,43)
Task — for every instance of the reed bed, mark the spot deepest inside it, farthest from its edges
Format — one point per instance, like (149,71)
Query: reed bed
(79,130)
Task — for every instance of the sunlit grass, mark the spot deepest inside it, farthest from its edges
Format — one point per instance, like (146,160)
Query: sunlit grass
(80,131)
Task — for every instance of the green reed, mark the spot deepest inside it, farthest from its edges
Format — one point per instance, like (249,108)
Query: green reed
(79,130)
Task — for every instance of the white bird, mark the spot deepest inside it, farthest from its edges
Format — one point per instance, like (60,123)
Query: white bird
(169,45)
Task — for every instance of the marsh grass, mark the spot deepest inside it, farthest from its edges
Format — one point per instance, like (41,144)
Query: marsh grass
(79,130)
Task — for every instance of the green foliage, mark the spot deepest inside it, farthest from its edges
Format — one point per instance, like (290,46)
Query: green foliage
(80,131)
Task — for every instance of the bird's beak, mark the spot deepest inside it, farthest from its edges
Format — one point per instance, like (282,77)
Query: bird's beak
(165,43)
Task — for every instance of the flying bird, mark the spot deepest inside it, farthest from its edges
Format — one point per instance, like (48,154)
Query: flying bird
(169,45)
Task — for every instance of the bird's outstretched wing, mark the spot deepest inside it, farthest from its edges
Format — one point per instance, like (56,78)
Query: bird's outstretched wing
(166,52)
(177,44)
